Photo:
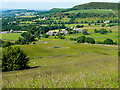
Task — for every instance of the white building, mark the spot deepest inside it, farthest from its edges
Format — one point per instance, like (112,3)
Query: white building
(107,22)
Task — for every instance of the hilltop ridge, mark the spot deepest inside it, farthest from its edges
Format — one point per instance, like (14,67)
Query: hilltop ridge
(96,5)
(90,5)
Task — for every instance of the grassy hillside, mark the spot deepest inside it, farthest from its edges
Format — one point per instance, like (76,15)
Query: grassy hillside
(91,5)
(104,11)
(64,63)
(96,67)
(96,5)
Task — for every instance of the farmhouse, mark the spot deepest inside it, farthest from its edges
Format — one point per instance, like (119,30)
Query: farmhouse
(72,27)
(12,31)
(14,21)
(77,30)
(45,18)
(55,32)
(107,22)
(64,32)
(50,33)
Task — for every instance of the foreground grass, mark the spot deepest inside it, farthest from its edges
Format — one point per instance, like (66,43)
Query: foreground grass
(97,67)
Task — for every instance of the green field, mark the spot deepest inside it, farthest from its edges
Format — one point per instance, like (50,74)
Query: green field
(11,36)
(105,11)
(63,63)
(97,36)
(81,65)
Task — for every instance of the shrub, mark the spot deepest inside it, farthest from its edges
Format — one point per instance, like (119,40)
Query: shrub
(96,31)
(108,41)
(85,32)
(110,31)
(33,42)
(13,58)
(103,31)
(79,26)
(81,39)
(39,37)
(103,25)
(90,40)
(61,37)
(115,43)
(74,39)
(99,42)
(6,44)
(45,36)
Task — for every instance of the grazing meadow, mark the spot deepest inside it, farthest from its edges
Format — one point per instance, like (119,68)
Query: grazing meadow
(66,48)
(66,64)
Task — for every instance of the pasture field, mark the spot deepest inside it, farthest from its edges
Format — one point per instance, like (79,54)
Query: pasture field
(11,36)
(93,19)
(66,64)
(91,28)
(96,36)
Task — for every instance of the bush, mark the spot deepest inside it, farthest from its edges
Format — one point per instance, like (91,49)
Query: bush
(108,41)
(6,44)
(90,40)
(79,26)
(61,37)
(96,31)
(81,39)
(13,58)
(103,25)
(99,42)
(74,39)
(85,32)
(33,42)
(103,31)
(110,31)
(45,36)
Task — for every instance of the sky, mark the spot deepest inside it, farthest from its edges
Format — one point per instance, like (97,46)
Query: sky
(45,4)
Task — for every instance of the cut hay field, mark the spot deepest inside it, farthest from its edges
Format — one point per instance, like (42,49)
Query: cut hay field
(79,66)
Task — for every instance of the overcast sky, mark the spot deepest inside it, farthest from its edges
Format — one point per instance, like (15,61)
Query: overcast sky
(45,4)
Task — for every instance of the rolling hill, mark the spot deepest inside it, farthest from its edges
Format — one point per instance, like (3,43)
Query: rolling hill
(96,5)
(91,5)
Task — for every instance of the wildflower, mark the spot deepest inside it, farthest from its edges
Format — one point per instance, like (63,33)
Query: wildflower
(66,83)
(102,84)
(85,86)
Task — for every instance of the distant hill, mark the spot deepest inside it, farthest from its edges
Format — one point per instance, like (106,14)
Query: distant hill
(96,5)
(59,10)
(91,5)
